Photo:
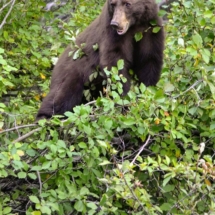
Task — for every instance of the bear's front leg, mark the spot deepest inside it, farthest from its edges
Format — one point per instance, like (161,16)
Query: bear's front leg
(148,57)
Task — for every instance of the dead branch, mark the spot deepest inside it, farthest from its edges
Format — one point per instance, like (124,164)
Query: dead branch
(18,127)
(26,135)
(8,13)
(141,149)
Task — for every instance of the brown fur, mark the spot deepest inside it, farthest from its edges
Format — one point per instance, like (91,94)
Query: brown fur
(144,57)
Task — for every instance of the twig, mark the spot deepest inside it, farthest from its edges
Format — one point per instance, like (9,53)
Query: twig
(40,182)
(17,127)
(26,135)
(4,6)
(126,183)
(132,192)
(141,149)
(8,13)
(191,87)
(89,103)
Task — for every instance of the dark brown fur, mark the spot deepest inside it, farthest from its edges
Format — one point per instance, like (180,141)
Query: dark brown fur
(144,57)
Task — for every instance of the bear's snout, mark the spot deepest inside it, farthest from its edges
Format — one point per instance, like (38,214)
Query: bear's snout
(114,24)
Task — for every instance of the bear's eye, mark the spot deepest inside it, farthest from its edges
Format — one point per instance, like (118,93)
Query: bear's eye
(112,5)
(127,4)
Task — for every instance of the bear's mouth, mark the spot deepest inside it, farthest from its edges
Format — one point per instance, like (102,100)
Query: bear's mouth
(122,31)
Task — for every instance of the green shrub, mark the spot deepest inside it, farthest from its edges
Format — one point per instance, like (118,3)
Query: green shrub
(151,152)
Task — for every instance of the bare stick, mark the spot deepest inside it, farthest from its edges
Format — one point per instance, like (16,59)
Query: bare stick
(8,13)
(141,149)
(126,183)
(18,127)
(26,135)
(40,182)
(4,6)
(190,88)
(89,103)
(133,194)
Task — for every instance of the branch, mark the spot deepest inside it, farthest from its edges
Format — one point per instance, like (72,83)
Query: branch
(89,103)
(26,135)
(126,183)
(40,182)
(133,194)
(18,127)
(8,13)
(190,88)
(5,6)
(141,149)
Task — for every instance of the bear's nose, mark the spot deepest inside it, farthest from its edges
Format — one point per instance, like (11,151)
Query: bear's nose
(114,24)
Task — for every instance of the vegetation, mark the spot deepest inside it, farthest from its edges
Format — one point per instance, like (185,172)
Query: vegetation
(151,152)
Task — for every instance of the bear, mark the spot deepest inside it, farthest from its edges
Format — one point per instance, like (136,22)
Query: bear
(113,32)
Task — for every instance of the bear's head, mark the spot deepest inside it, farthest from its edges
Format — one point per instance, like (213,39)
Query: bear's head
(126,13)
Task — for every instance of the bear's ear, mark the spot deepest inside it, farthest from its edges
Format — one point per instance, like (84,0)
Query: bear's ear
(150,11)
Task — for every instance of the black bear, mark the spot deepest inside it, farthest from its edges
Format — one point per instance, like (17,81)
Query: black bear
(113,32)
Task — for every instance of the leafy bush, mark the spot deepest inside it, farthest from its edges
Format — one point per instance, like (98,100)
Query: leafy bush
(151,152)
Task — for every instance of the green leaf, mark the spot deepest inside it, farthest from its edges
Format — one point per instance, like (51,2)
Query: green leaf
(87,130)
(166,179)
(92,205)
(102,143)
(104,199)
(168,188)
(82,145)
(213,20)
(84,191)
(34,199)
(141,130)
(120,64)
(32,175)
(208,14)
(22,175)
(168,87)
(1,50)
(129,121)
(138,36)
(31,152)
(166,206)
(156,29)
(36,213)
(106,162)
(167,160)
(108,123)
(212,88)
(192,110)
(46,165)
(192,51)
(181,42)
(46,210)
(79,206)
(205,55)
(3,62)
(7,210)
(197,39)
(212,126)
(159,96)
(142,88)
(36,168)
(95,47)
